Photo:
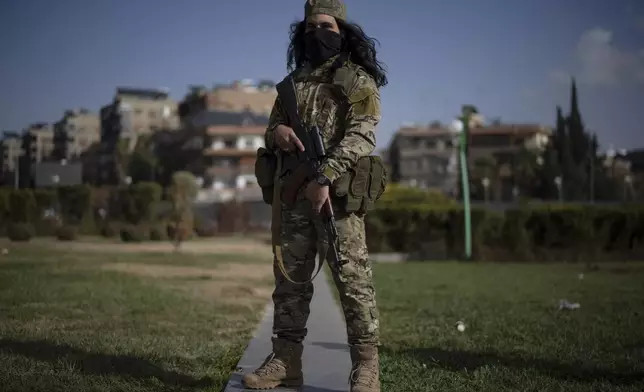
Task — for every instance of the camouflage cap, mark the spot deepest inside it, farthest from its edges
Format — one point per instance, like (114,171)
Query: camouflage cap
(335,8)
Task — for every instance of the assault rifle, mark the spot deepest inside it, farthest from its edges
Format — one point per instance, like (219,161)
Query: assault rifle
(300,167)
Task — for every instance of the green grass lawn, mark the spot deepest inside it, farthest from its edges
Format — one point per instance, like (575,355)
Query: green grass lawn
(67,324)
(515,339)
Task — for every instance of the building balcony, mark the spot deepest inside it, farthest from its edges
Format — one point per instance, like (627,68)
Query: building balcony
(229,152)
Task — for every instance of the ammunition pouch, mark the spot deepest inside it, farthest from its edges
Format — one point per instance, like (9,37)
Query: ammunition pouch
(265,170)
(360,187)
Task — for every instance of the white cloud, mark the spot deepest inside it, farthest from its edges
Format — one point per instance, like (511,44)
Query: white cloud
(600,62)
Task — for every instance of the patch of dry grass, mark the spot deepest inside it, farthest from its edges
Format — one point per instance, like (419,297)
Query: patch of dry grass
(125,321)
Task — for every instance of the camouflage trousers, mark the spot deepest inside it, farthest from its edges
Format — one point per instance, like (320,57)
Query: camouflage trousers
(302,234)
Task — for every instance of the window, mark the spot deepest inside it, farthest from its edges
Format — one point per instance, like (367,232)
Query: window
(152,114)
(440,145)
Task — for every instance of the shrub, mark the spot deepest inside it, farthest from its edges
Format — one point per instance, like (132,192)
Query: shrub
(74,203)
(133,233)
(537,232)
(206,229)
(136,203)
(20,232)
(4,211)
(109,230)
(158,233)
(67,233)
(22,206)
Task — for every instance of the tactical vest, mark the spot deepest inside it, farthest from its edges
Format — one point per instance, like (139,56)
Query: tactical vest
(356,190)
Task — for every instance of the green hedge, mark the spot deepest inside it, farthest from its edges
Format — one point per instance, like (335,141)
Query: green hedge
(49,209)
(540,233)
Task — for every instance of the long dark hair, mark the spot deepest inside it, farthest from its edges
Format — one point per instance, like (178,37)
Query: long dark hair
(361,47)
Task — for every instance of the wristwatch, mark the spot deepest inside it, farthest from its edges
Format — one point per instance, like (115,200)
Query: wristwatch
(323,180)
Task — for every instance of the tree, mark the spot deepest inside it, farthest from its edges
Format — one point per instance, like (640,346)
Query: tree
(122,159)
(182,194)
(571,155)
(142,164)
(524,171)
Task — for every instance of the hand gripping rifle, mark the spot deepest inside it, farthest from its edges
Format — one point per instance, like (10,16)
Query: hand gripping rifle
(301,167)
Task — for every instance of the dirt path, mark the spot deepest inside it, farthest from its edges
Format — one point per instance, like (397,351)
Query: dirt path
(246,284)
(233,283)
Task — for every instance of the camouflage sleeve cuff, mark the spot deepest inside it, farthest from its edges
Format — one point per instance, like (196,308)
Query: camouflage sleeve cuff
(328,172)
(269,136)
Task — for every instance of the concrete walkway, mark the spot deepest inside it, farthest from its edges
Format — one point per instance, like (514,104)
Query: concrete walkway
(326,354)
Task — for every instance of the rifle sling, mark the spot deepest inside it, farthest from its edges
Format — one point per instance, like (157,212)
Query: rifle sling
(276,229)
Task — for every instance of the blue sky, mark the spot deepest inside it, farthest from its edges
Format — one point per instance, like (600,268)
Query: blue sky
(511,58)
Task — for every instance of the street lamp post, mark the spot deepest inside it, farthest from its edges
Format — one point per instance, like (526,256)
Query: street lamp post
(199,181)
(469,115)
(610,158)
(628,187)
(16,174)
(486,186)
(515,193)
(591,169)
(559,183)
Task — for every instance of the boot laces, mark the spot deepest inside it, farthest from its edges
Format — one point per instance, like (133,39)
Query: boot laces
(271,365)
(363,375)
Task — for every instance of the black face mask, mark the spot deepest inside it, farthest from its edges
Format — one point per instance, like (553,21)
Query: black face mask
(321,44)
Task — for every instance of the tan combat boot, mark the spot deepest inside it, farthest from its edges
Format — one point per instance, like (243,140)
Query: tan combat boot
(283,367)
(365,369)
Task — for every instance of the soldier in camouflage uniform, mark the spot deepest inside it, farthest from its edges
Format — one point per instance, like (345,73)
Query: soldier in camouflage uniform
(324,46)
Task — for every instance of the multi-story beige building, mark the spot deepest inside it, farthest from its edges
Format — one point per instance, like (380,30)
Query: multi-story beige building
(428,157)
(424,156)
(75,133)
(38,142)
(11,151)
(132,112)
(230,156)
(240,97)
(228,125)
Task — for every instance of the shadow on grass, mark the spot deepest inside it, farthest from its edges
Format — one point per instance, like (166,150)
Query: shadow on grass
(101,364)
(458,360)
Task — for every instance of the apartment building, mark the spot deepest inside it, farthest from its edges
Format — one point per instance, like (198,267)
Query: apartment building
(243,96)
(425,157)
(38,142)
(428,156)
(11,151)
(36,145)
(74,133)
(132,112)
(226,136)
(230,156)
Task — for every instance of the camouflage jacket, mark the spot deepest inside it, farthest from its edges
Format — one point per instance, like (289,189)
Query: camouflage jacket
(346,120)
